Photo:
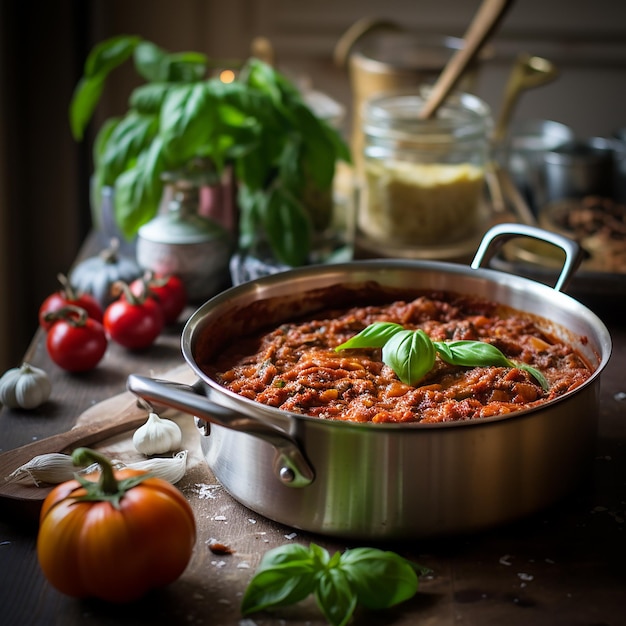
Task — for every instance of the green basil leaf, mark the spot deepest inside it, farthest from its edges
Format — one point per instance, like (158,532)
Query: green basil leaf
(321,557)
(335,597)
(373,336)
(250,103)
(102,60)
(285,575)
(265,79)
(102,139)
(158,66)
(290,552)
(482,354)
(252,205)
(138,190)
(291,172)
(151,62)
(97,182)
(287,227)
(280,585)
(380,579)
(410,354)
(109,54)
(84,100)
(187,67)
(149,98)
(318,150)
(341,149)
(130,137)
(188,119)
(253,168)
(471,353)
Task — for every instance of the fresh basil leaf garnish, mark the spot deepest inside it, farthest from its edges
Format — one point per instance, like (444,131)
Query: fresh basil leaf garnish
(471,353)
(410,354)
(482,354)
(373,336)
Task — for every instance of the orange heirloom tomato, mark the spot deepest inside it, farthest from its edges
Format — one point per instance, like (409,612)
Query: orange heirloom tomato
(116,538)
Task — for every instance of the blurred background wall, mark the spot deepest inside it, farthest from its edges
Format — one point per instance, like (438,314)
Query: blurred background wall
(44,174)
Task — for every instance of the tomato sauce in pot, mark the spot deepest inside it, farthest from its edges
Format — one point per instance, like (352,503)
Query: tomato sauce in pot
(295,366)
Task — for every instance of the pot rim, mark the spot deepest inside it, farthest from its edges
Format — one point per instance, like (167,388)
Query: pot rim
(497,277)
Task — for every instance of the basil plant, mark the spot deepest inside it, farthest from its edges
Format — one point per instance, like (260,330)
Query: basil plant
(281,153)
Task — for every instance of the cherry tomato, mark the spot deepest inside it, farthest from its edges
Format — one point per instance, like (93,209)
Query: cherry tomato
(133,321)
(75,342)
(168,290)
(68,296)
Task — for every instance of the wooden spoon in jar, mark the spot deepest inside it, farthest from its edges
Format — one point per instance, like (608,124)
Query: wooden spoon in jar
(483,25)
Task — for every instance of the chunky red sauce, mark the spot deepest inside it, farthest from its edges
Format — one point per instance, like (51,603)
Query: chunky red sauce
(296,368)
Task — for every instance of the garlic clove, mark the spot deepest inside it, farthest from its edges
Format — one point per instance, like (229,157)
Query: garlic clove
(157,436)
(172,469)
(52,468)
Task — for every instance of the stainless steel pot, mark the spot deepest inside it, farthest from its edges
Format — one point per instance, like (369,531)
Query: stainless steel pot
(390,481)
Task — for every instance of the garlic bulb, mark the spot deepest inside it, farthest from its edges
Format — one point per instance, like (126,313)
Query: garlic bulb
(24,387)
(157,435)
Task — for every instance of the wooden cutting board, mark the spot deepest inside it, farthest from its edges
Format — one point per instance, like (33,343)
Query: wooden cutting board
(108,423)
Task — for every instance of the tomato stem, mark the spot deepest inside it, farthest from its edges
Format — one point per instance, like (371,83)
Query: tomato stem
(108,484)
(135,299)
(108,488)
(74,315)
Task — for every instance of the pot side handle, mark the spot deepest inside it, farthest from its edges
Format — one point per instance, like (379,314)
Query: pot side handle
(499,234)
(290,465)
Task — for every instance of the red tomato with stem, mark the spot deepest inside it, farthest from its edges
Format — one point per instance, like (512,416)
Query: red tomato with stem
(133,321)
(168,290)
(75,341)
(68,295)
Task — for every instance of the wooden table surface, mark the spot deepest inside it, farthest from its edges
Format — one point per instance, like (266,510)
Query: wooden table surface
(562,566)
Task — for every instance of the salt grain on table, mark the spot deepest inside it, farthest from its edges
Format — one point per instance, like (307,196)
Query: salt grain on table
(205,492)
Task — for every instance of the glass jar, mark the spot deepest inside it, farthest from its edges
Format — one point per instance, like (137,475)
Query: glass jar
(423,180)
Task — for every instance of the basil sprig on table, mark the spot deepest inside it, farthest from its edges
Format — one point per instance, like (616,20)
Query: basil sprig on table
(411,353)
(372,578)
